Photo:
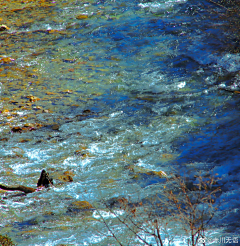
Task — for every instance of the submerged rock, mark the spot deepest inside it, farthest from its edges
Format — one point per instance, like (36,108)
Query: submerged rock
(65,177)
(80,206)
(120,202)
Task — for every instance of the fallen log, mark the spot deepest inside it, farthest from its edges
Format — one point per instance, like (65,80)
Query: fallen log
(43,181)
(17,187)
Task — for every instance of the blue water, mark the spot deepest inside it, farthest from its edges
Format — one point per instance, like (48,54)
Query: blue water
(150,75)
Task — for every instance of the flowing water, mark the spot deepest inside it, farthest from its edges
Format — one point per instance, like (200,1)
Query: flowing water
(114,92)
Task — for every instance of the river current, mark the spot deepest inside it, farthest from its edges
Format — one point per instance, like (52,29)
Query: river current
(114,92)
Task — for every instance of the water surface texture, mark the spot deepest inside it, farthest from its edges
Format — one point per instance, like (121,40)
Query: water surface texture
(115,92)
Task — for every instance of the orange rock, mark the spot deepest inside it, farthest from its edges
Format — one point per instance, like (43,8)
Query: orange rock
(29,125)
(65,178)
(69,173)
(7,60)
(5,111)
(33,98)
(51,93)
(81,17)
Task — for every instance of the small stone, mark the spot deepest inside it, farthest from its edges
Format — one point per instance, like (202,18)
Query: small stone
(24,140)
(16,129)
(46,111)
(81,17)
(33,98)
(67,91)
(55,127)
(29,125)
(87,111)
(65,178)
(5,111)
(37,108)
(4,139)
(3,28)
(51,93)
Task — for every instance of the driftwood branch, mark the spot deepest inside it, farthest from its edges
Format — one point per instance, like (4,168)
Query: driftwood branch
(44,181)
(17,187)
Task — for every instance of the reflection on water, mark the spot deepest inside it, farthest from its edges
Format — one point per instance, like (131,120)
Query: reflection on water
(114,92)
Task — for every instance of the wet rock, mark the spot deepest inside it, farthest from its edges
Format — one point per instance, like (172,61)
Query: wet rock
(80,206)
(87,111)
(3,28)
(80,153)
(33,98)
(67,91)
(55,127)
(81,17)
(16,129)
(160,174)
(65,177)
(120,202)
(7,60)
(24,140)
(4,139)
(44,179)
(46,111)
(29,125)
(139,171)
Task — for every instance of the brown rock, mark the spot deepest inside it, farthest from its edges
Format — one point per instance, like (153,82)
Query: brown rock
(3,28)
(120,202)
(79,207)
(87,111)
(33,98)
(82,205)
(55,127)
(81,17)
(16,129)
(44,179)
(65,178)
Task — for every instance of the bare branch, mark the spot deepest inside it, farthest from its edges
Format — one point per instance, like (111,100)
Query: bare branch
(109,229)
(128,226)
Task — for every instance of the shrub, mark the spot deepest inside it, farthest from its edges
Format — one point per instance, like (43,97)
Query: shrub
(187,205)
(5,241)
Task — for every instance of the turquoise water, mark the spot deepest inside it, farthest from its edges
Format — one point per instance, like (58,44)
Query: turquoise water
(133,87)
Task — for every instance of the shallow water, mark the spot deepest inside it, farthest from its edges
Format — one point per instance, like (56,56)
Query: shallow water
(112,91)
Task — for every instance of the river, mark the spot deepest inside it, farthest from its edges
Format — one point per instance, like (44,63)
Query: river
(117,94)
